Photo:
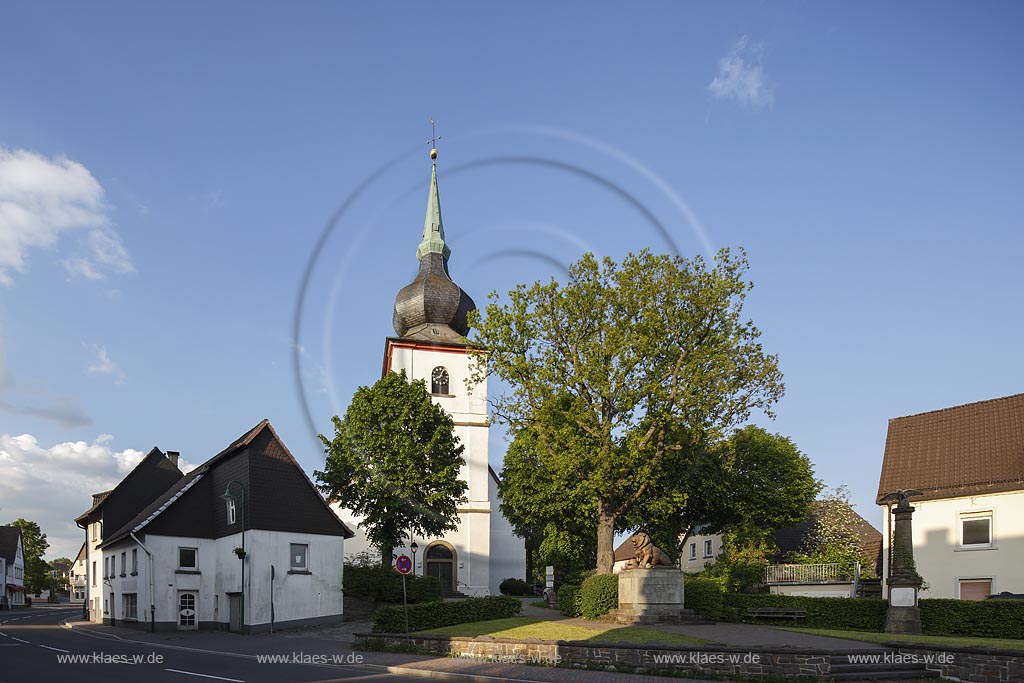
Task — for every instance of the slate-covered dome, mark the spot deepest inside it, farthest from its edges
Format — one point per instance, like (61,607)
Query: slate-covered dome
(432,306)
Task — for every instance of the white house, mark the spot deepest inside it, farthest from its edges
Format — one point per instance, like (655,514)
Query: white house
(79,575)
(243,542)
(430,320)
(968,524)
(12,568)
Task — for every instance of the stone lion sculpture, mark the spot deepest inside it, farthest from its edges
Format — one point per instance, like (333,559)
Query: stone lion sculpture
(646,554)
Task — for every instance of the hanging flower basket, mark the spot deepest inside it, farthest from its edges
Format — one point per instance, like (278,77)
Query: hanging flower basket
(240,552)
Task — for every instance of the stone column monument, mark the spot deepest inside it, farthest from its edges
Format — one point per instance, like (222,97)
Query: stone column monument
(904,615)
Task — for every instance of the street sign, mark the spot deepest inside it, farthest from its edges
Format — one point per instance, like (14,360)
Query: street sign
(403,564)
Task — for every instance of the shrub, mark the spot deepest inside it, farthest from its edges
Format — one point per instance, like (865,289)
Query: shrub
(382,584)
(987,619)
(855,614)
(514,587)
(436,614)
(704,595)
(598,595)
(569,600)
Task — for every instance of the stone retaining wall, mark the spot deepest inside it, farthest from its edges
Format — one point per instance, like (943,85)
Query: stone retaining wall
(972,664)
(718,660)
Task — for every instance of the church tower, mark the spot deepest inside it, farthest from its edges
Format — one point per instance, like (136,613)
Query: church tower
(430,324)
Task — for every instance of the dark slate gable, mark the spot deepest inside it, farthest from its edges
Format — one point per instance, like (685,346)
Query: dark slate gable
(9,537)
(148,480)
(278,495)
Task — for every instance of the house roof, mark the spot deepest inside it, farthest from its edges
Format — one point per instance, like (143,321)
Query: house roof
(790,539)
(966,450)
(81,553)
(154,472)
(171,495)
(9,538)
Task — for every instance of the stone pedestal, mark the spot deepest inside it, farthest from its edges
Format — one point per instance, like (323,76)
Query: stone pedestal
(650,596)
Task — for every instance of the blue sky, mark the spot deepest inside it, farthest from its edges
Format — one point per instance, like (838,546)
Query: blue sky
(168,170)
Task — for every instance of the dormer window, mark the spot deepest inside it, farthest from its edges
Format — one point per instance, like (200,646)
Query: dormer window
(439,382)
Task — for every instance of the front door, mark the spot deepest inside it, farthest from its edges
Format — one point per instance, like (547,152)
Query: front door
(235,612)
(441,564)
(188,611)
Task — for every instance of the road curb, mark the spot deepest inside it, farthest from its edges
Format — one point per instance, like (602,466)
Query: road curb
(440,675)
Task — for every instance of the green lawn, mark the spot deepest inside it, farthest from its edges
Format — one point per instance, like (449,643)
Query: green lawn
(528,627)
(949,641)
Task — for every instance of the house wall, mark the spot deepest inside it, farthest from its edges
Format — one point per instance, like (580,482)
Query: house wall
(838,589)
(508,551)
(942,560)
(15,574)
(299,598)
(702,559)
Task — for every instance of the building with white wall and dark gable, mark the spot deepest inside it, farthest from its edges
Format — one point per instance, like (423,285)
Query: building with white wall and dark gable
(12,568)
(244,542)
(430,320)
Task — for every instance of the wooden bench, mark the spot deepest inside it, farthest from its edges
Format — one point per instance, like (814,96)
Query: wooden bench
(777,613)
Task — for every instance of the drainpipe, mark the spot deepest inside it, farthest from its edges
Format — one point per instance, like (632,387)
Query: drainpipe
(152,592)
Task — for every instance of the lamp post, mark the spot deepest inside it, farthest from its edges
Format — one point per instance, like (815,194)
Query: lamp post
(227,496)
(414,548)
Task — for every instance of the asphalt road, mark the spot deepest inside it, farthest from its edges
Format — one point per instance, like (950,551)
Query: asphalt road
(35,647)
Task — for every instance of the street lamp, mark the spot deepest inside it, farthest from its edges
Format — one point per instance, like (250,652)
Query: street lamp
(414,548)
(227,496)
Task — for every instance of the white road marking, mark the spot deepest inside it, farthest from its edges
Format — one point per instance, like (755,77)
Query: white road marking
(3,634)
(56,649)
(193,673)
(19,640)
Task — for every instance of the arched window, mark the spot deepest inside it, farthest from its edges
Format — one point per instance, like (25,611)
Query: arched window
(439,381)
(439,552)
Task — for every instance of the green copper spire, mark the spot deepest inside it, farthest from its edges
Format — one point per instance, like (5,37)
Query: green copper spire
(433,228)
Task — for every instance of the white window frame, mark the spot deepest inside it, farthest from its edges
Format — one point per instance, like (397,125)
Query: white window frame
(305,557)
(970,516)
(229,506)
(134,615)
(709,548)
(693,550)
(135,561)
(195,556)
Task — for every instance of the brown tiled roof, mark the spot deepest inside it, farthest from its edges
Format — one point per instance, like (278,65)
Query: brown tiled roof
(9,536)
(967,450)
(81,554)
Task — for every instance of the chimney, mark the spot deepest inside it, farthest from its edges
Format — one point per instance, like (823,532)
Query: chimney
(173,457)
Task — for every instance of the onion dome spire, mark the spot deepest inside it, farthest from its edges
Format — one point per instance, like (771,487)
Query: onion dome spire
(432,307)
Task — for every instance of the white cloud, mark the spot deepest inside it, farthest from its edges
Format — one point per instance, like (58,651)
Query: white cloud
(104,366)
(40,199)
(742,78)
(54,485)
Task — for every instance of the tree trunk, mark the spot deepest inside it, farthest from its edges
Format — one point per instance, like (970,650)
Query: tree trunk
(387,557)
(531,579)
(605,538)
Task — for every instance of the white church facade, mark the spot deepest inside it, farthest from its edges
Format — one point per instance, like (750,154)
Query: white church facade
(430,322)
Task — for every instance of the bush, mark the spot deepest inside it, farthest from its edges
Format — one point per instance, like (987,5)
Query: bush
(598,595)
(988,619)
(382,584)
(514,587)
(704,595)
(855,614)
(569,600)
(436,614)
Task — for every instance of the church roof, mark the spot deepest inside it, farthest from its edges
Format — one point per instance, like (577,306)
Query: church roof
(432,306)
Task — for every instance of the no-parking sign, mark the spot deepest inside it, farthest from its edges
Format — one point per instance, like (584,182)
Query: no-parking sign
(403,564)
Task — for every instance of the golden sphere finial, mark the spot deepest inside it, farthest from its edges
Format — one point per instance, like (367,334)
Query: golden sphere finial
(433,153)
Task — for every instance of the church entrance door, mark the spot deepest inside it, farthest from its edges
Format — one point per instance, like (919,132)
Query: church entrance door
(440,560)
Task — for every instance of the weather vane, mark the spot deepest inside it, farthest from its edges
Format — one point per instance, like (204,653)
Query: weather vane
(434,137)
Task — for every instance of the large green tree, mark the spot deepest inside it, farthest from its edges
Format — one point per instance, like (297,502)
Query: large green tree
(395,461)
(833,538)
(654,357)
(34,545)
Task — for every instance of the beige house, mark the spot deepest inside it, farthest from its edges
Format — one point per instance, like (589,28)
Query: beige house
(968,464)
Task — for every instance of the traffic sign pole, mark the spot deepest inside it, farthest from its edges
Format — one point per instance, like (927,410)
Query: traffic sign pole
(404,565)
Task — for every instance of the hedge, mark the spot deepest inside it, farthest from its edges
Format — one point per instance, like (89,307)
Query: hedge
(569,600)
(704,595)
(855,614)
(514,587)
(986,619)
(437,614)
(598,595)
(383,584)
